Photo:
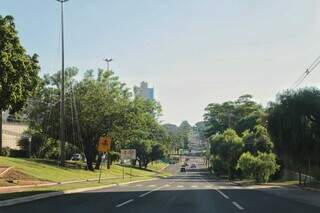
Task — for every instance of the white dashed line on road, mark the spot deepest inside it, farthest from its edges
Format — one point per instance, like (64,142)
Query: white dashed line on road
(152,185)
(144,194)
(180,186)
(124,203)
(237,205)
(222,194)
(138,185)
(194,186)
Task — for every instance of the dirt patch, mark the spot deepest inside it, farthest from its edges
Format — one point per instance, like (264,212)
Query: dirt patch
(13,174)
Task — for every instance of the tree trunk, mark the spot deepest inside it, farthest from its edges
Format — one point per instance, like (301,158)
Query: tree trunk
(0,133)
(108,160)
(98,161)
(89,156)
(300,178)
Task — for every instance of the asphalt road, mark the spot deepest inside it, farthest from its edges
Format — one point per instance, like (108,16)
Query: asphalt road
(192,191)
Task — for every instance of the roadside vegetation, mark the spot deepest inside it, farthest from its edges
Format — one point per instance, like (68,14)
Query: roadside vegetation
(277,142)
(50,171)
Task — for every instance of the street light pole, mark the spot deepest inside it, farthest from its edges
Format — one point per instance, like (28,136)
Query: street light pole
(62,112)
(108,60)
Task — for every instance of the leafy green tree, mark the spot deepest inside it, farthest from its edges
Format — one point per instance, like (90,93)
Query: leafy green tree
(294,124)
(240,115)
(227,147)
(257,140)
(144,150)
(18,70)
(157,152)
(260,167)
(184,133)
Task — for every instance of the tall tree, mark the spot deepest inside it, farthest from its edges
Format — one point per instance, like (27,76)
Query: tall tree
(18,71)
(227,147)
(294,124)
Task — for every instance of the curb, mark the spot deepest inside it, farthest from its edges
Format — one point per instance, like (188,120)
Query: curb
(31,198)
(54,183)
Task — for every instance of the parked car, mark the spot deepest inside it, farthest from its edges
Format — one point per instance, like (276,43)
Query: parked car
(193,166)
(76,157)
(183,169)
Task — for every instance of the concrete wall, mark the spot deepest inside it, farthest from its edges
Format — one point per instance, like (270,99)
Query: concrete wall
(11,133)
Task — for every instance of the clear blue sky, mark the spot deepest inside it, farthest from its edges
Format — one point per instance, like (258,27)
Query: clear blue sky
(192,52)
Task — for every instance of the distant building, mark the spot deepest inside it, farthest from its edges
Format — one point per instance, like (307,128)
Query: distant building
(144,91)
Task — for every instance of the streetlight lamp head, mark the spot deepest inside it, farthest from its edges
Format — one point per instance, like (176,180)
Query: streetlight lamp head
(108,59)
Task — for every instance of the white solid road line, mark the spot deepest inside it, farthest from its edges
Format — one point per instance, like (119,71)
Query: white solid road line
(180,186)
(238,206)
(194,186)
(222,194)
(124,203)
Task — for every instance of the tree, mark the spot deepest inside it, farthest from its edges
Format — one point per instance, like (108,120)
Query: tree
(157,152)
(227,147)
(184,133)
(257,140)
(260,167)
(294,125)
(239,115)
(18,70)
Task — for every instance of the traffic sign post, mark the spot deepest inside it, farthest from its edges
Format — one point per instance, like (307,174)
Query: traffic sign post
(128,154)
(104,146)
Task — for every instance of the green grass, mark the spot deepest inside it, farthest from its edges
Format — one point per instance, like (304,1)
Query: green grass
(64,187)
(157,166)
(48,171)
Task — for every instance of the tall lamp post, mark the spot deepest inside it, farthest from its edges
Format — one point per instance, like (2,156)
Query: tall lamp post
(108,60)
(62,113)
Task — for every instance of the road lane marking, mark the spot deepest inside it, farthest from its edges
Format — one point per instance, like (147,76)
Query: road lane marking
(208,186)
(222,194)
(180,186)
(194,186)
(124,203)
(152,185)
(144,194)
(167,185)
(237,205)
(138,185)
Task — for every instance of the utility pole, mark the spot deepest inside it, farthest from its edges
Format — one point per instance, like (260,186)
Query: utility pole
(108,60)
(62,113)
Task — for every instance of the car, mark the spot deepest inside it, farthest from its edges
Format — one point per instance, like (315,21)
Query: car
(76,157)
(183,169)
(193,166)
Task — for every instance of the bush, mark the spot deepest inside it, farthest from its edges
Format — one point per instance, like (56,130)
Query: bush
(50,149)
(259,167)
(18,153)
(5,151)
(218,166)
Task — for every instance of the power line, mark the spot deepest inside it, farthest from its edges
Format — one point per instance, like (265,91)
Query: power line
(313,66)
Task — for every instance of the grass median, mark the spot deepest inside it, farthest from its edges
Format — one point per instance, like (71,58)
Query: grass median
(48,171)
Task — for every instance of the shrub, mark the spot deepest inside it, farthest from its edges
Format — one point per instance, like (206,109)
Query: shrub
(259,167)
(18,153)
(5,151)
(218,166)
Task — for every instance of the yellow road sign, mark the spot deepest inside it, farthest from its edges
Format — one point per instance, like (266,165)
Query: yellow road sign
(104,144)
